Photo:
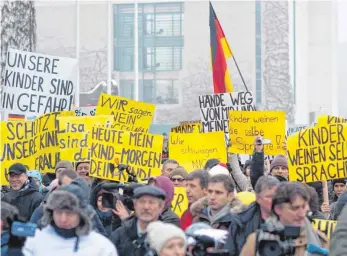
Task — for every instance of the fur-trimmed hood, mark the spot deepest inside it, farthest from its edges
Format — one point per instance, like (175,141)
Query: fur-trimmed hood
(65,200)
(197,207)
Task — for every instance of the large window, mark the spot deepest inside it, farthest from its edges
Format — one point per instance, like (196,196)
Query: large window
(160,37)
(161,91)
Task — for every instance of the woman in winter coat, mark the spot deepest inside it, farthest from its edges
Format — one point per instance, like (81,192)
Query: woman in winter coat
(339,186)
(172,242)
(111,219)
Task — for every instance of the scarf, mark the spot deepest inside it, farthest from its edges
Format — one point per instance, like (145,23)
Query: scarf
(222,212)
(67,233)
(104,214)
(25,185)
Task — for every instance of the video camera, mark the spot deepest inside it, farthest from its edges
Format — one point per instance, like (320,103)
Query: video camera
(119,191)
(206,241)
(277,242)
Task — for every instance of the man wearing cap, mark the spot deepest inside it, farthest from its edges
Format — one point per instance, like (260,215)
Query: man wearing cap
(24,192)
(130,237)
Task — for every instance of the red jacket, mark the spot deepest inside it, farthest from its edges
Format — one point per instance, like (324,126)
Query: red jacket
(186,219)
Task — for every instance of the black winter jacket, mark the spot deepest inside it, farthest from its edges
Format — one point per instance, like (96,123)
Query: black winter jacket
(168,216)
(257,167)
(26,200)
(126,239)
(248,222)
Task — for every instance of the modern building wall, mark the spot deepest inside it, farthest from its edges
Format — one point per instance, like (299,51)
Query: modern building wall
(260,35)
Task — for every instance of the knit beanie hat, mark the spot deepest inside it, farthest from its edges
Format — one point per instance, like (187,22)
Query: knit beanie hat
(280,160)
(179,171)
(158,233)
(36,174)
(64,164)
(338,181)
(248,163)
(219,169)
(167,185)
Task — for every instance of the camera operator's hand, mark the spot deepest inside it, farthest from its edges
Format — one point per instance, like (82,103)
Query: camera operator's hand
(258,145)
(121,211)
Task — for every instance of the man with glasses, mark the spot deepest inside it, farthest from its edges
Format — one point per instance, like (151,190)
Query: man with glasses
(24,193)
(289,208)
(178,176)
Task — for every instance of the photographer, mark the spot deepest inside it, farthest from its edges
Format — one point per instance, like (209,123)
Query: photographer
(111,218)
(10,244)
(289,208)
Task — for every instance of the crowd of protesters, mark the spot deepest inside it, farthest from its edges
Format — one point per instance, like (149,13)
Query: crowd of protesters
(69,217)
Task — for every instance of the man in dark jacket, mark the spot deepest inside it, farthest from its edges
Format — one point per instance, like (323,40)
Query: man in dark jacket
(24,193)
(252,217)
(221,203)
(129,239)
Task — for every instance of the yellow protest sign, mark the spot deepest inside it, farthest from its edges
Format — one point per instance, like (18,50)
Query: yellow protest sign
(326,119)
(129,115)
(318,153)
(74,140)
(192,150)
(141,151)
(32,143)
(180,201)
(187,128)
(325,226)
(244,126)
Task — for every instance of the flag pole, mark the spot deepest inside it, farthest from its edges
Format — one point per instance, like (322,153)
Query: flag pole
(77,93)
(238,69)
(109,48)
(136,51)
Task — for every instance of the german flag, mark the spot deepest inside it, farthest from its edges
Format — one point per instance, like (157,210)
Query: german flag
(220,51)
(15,117)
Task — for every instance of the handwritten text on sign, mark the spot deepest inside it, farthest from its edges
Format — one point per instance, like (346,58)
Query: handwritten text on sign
(74,141)
(323,120)
(37,83)
(180,201)
(32,143)
(192,150)
(325,226)
(214,109)
(318,153)
(141,151)
(244,126)
(129,115)
(187,128)
(85,111)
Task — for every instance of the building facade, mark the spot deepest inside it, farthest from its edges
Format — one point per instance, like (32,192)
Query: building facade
(281,48)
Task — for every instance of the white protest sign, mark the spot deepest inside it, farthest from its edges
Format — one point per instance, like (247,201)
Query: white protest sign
(295,128)
(85,111)
(214,109)
(37,83)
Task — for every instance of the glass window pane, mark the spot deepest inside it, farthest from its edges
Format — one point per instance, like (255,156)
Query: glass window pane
(166,92)
(127,88)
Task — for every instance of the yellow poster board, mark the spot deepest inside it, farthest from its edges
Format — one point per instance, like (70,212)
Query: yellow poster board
(180,201)
(110,147)
(244,126)
(324,120)
(318,153)
(325,226)
(74,142)
(32,143)
(192,150)
(129,115)
(187,128)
